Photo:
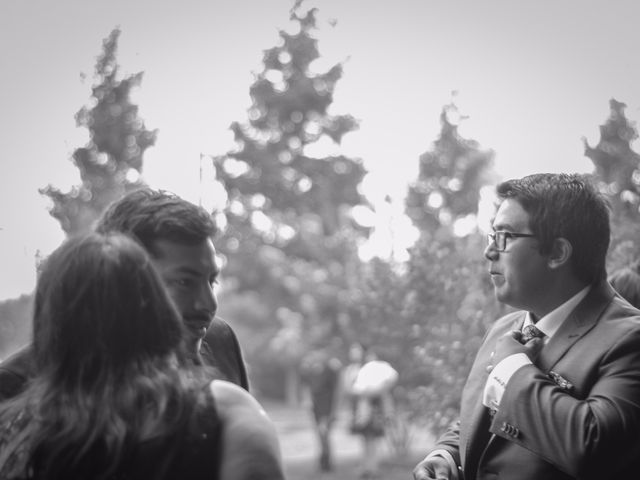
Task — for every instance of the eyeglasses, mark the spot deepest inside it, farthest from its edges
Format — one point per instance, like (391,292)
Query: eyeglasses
(499,239)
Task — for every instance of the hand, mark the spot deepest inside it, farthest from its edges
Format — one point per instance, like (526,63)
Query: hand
(509,344)
(435,468)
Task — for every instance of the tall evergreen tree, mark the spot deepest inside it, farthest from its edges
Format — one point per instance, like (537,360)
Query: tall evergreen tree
(617,166)
(448,299)
(450,177)
(111,163)
(290,238)
(617,171)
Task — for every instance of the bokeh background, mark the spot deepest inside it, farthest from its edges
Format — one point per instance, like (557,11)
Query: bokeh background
(348,150)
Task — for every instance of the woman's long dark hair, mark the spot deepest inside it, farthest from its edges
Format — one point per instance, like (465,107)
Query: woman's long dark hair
(108,344)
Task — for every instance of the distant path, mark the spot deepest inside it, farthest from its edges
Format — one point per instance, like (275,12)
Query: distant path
(298,443)
(296,435)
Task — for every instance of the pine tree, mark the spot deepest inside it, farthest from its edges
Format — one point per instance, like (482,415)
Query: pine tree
(111,163)
(617,171)
(290,238)
(617,166)
(450,177)
(448,299)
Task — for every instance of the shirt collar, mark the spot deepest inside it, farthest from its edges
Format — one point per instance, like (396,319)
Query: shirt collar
(551,322)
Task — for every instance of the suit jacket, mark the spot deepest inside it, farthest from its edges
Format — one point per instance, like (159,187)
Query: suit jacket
(574,414)
(220,349)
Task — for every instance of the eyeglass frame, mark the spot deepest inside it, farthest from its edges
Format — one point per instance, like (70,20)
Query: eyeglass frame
(493,237)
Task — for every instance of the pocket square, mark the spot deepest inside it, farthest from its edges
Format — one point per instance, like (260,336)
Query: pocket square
(562,382)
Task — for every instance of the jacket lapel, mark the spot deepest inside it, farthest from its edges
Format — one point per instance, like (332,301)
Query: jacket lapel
(578,323)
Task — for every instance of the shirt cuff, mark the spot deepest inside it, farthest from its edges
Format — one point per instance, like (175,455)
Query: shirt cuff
(453,468)
(500,376)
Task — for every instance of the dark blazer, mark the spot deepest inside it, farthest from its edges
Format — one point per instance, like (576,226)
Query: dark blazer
(574,414)
(220,349)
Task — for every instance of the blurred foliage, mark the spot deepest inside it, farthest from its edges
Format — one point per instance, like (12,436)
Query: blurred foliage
(450,177)
(293,280)
(449,305)
(429,315)
(15,324)
(290,239)
(111,163)
(617,172)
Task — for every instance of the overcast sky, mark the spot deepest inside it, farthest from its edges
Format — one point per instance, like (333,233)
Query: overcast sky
(534,76)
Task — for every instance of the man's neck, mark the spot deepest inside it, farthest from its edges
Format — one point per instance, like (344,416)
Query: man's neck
(557,294)
(557,298)
(553,320)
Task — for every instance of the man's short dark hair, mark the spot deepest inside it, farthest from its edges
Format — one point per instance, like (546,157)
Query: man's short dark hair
(150,215)
(567,206)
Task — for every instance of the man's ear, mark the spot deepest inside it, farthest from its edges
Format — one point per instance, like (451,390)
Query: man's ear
(560,253)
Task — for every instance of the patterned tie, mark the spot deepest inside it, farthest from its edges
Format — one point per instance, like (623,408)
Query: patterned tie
(529,332)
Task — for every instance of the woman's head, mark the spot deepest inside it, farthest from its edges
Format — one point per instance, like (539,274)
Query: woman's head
(100,306)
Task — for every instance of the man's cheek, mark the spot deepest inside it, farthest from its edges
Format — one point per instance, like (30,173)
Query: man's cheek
(178,298)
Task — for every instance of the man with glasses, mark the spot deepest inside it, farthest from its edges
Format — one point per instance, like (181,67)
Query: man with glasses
(554,391)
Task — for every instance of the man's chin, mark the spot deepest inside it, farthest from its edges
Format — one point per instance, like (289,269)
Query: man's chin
(501,294)
(196,334)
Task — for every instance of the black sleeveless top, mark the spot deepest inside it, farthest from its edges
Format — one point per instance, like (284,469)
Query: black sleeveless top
(193,453)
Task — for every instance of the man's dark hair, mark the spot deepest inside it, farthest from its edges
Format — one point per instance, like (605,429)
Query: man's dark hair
(567,206)
(151,215)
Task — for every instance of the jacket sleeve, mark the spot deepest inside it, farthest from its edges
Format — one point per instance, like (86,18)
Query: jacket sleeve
(587,430)
(450,441)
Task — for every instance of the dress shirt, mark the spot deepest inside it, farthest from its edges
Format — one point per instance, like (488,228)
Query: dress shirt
(549,325)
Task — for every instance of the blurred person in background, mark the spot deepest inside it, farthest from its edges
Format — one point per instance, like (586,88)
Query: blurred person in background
(369,389)
(178,236)
(349,374)
(321,378)
(554,390)
(626,281)
(116,394)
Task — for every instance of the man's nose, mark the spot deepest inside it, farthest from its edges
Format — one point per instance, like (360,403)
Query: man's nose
(490,251)
(206,299)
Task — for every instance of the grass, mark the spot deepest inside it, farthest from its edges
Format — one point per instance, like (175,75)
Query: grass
(349,469)
(300,451)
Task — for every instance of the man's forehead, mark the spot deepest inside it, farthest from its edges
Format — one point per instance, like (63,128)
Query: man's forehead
(201,254)
(510,215)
